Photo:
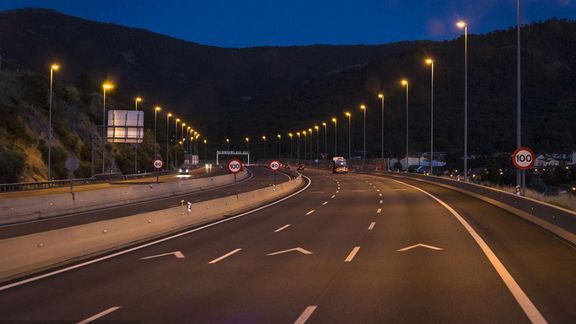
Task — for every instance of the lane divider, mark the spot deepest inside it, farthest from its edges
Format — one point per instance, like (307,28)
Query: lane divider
(379,211)
(310,212)
(371,227)
(352,254)
(224,256)
(99,315)
(306,314)
(282,228)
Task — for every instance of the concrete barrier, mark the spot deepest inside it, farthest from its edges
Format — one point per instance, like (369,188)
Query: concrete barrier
(45,206)
(557,220)
(30,253)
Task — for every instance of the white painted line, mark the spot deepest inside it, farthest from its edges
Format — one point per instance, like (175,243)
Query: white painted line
(101,314)
(282,228)
(306,314)
(310,212)
(324,203)
(378,190)
(139,247)
(352,254)
(380,195)
(371,227)
(333,196)
(381,201)
(379,211)
(177,254)
(224,256)
(522,299)
(337,191)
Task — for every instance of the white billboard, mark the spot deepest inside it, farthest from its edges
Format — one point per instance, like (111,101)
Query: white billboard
(125,126)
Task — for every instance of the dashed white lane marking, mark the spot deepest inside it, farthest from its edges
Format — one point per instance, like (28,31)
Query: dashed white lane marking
(381,201)
(522,299)
(371,227)
(282,228)
(378,190)
(324,203)
(99,315)
(379,211)
(337,191)
(333,196)
(310,212)
(224,256)
(306,314)
(379,195)
(352,254)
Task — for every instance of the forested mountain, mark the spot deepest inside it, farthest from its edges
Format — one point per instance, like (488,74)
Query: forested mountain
(233,93)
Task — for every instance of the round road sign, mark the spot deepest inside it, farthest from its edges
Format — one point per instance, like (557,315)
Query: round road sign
(158,164)
(523,158)
(274,165)
(235,166)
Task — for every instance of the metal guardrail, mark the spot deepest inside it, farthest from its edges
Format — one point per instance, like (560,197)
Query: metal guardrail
(99,178)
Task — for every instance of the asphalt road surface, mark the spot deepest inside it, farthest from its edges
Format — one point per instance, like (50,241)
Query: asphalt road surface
(349,249)
(260,177)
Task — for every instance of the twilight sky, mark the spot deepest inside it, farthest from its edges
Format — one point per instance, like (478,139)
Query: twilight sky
(245,23)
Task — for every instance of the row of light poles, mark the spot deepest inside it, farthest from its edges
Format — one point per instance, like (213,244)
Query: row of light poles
(106,87)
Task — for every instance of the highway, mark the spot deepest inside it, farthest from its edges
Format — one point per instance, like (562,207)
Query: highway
(260,177)
(349,248)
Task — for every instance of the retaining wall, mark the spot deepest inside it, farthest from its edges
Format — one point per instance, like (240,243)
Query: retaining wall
(34,252)
(44,206)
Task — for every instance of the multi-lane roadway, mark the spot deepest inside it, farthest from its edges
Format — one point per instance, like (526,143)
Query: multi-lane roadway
(348,248)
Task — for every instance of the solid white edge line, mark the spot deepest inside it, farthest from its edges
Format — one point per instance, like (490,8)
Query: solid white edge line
(522,299)
(282,228)
(306,314)
(310,212)
(352,254)
(225,256)
(99,315)
(371,227)
(139,247)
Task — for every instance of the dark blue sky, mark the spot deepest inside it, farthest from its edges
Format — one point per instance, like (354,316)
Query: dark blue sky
(243,23)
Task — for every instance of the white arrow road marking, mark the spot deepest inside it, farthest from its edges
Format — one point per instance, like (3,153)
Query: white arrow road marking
(306,314)
(282,228)
(324,203)
(522,299)
(177,254)
(224,256)
(298,249)
(310,212)
(379,211)
(352,254)
(371,227)
(101,314)
(420,245)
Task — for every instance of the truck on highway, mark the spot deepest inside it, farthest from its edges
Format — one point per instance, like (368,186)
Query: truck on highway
(339,165)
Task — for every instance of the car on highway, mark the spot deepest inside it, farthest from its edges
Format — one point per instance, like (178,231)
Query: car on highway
(300,167)
(183,172)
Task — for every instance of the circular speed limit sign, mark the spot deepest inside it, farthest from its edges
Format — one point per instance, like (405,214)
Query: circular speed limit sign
(523,158)
(158,164)
(274,165)
(234,166)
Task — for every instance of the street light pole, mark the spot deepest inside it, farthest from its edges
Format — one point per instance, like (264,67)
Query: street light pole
(298,148)
(167,139)
(406,84)
(305,152)
(136,101)
(464,25)
(349,115)
(431,63)
(325,139)
(317,142)
(105,86)
(279,144)
(53,67)
(156,110)
(363,108)
(311,144)
(381,96)
(520,174)
(176,121)
(335,121)
(290,135)
(264,144)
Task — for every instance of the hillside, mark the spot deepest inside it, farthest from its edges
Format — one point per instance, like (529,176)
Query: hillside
(235,93)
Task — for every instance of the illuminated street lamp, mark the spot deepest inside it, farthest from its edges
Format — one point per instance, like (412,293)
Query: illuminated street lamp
(279,143)
(247,143)
(167,139)
(205,150)
(335,121)
(349,115)
(176,121)
(228,143)
(105,87)
(310,144)
(298,147)
(406,84)
(53,68)
(363,108)
(325,139)
(264,143)
(136,101)
(463,25)
(290,135)
(430,62)
(304,134)
(156,110)
(317,141)
(381,97)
